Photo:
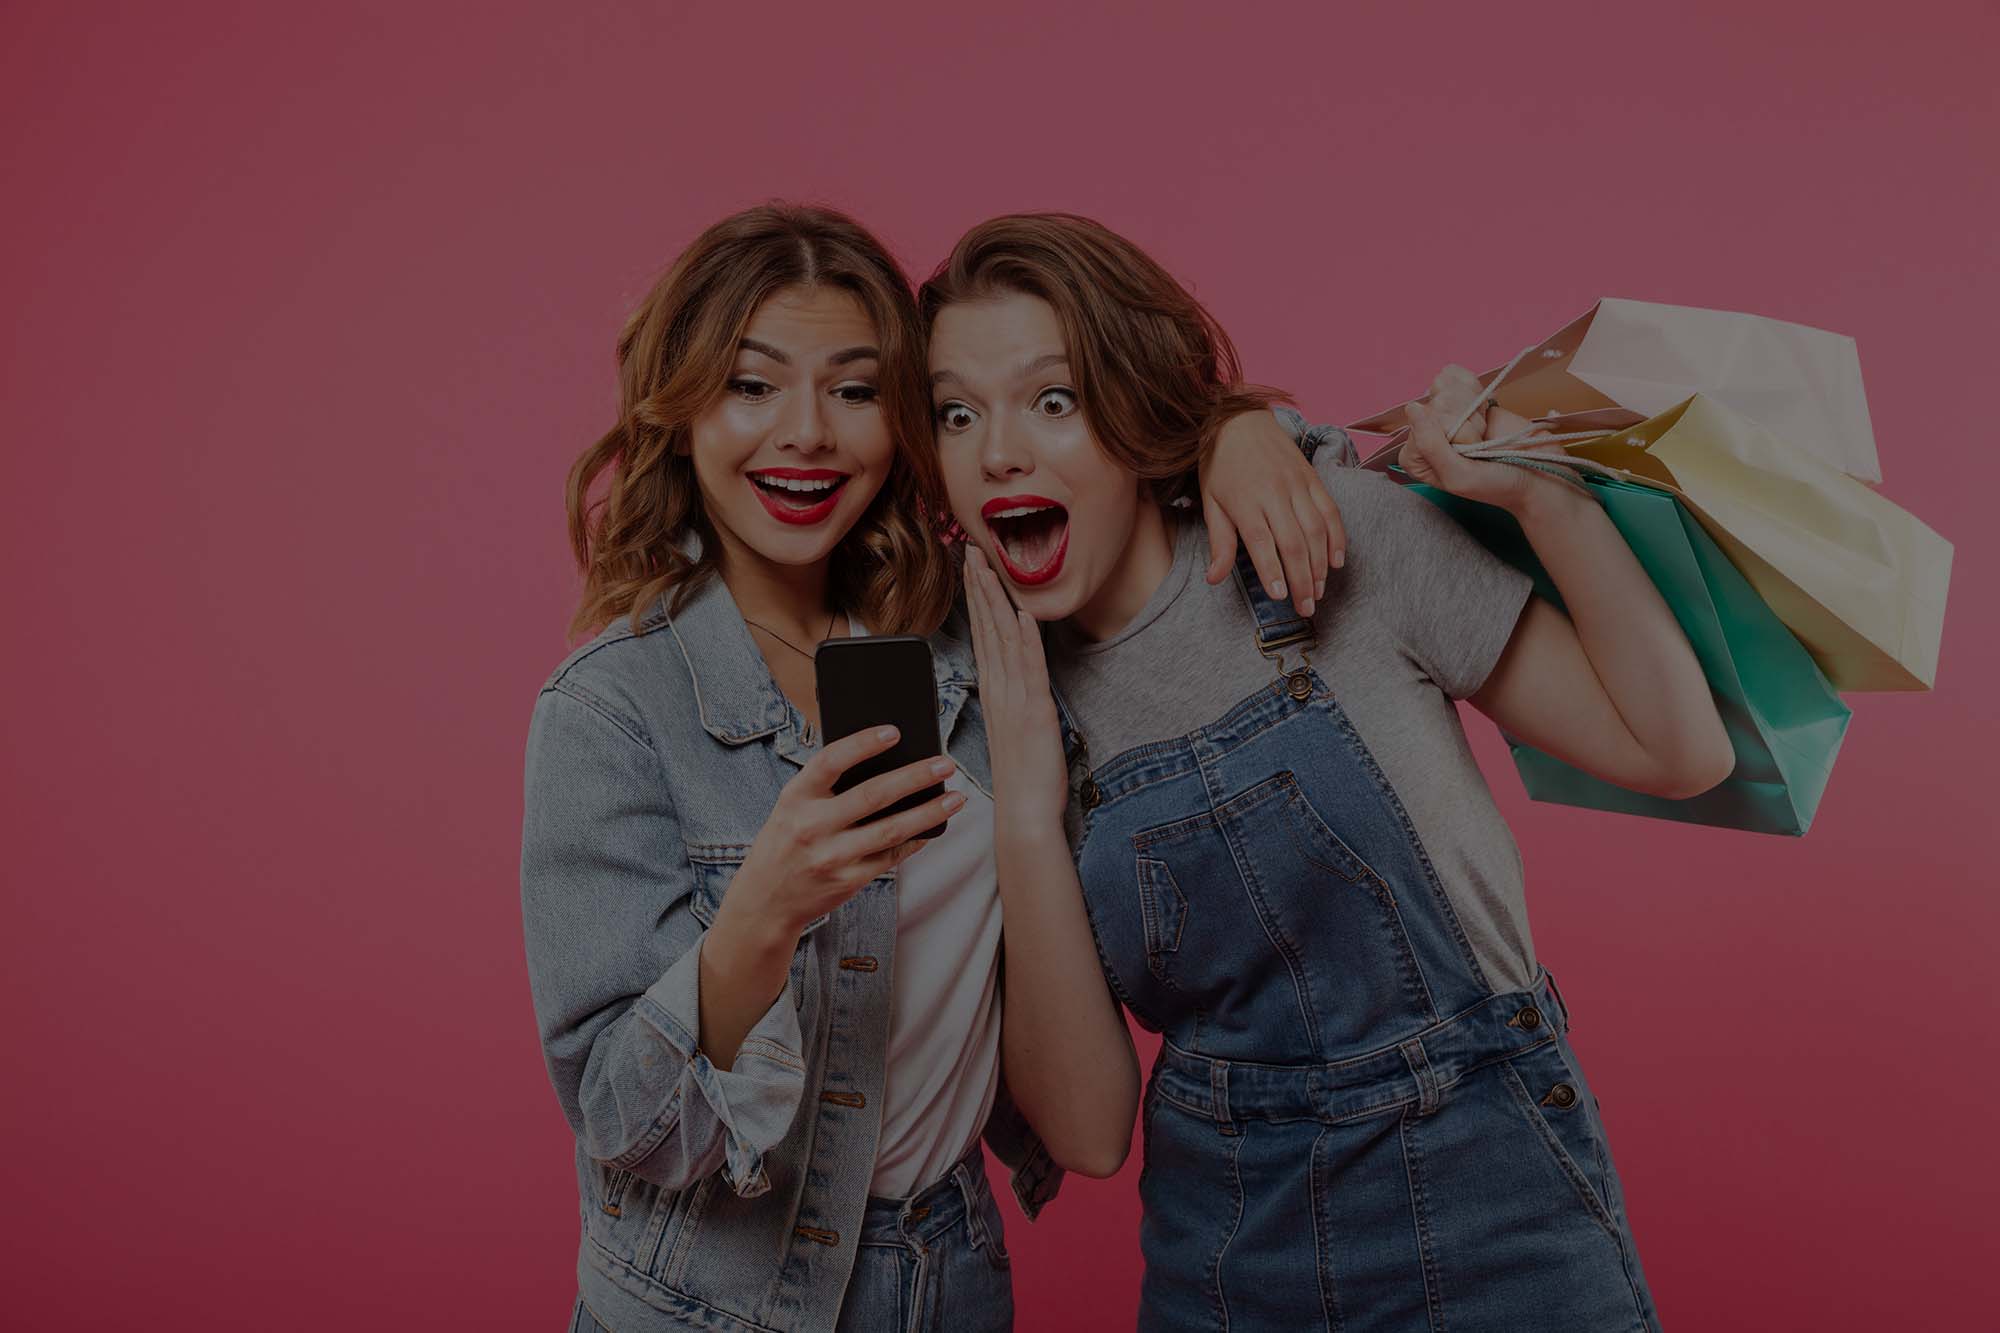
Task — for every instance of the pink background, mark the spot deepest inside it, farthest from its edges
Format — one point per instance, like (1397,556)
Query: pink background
(307,312)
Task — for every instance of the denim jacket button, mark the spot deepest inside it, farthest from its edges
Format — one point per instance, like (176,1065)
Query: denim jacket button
(1562,1096)
(1529,1018)
(1089,794)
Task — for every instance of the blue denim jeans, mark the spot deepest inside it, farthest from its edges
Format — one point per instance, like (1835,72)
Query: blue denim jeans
(935,1263)
(1348,1126)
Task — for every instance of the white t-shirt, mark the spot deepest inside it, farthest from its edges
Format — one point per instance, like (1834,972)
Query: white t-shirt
(944,1019)
(944,1026)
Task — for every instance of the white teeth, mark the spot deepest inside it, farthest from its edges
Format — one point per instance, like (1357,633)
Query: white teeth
(795,484)
(1023,511)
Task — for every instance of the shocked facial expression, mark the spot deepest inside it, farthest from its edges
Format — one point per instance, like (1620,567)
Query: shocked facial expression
(792,452)
(1051,510)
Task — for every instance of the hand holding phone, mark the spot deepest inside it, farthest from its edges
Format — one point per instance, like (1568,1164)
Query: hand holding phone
(881,680)
(819,846)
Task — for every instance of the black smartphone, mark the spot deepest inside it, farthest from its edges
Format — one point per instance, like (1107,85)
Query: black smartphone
(881,680)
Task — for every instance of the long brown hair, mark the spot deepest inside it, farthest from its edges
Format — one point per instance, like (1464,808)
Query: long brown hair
(674,358)
(1157,375)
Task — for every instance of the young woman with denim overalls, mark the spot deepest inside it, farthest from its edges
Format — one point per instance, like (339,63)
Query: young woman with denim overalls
(775,1032)
(1365,1113)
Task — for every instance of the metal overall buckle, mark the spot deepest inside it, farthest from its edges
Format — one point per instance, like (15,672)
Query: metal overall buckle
(1298,680)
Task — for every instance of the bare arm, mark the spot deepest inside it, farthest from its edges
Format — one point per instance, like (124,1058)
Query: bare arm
(1064,1045)
(1612,687)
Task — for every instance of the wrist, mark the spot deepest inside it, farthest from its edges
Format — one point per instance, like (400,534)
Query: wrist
(1545,501)
(749,937)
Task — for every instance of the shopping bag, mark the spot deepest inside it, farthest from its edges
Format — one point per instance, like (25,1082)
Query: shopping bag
(1782,714)
(1623,361)
(1859,580)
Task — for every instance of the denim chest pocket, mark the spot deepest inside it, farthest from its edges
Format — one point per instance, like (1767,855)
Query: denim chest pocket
(1256,916)
(715,868)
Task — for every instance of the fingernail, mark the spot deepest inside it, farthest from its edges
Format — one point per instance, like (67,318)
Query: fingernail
(1307,609)
(952,800)
(1278,588)
(1339,559)
(885,733)
(941,766)
(1319,588)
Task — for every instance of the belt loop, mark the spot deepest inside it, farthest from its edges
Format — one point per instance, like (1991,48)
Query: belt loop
(968,1189)
(1420,1069)
(1218,1094)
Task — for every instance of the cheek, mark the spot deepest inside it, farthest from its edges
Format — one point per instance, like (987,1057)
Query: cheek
(719,440)
(961,483)
(865,435)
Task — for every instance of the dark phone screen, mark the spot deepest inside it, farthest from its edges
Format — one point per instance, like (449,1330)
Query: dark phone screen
(876,680)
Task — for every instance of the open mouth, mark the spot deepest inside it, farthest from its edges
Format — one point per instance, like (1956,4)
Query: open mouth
(1031,536)
(797,495)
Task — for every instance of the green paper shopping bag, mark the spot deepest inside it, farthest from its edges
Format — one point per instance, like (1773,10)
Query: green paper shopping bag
(1784,719)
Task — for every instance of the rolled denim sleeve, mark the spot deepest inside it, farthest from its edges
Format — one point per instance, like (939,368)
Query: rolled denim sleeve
(614,963)
(1313,438)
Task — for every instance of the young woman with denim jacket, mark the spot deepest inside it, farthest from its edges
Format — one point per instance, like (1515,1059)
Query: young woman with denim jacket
(1365,1113)
(777,1114)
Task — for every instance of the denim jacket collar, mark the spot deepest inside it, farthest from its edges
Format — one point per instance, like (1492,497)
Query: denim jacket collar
(738,700)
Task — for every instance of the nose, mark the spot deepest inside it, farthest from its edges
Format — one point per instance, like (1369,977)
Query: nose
(806,427)
(1002,455)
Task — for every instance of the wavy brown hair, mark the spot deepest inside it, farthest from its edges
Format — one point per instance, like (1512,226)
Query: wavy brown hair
(674,358)
(1156,374)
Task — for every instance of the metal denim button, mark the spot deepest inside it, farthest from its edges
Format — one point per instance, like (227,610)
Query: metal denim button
(1089,794)
(1529,1018)
(1562,1096)
(1299,684)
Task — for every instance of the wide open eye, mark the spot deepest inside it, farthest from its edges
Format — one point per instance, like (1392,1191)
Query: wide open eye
(955,417)
(1055,403)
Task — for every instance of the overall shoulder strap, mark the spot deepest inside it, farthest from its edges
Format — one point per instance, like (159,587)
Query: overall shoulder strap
(1279,625)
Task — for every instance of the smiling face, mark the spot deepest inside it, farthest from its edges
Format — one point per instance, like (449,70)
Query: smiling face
(1073,532)
(792,452)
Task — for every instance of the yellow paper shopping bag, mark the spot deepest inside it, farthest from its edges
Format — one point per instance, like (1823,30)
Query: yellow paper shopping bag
(1860,581)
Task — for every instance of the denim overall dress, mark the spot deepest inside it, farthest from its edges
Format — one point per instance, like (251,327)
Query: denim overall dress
(1347,1127)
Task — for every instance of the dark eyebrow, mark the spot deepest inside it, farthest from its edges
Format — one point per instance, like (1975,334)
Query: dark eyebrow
(844,356)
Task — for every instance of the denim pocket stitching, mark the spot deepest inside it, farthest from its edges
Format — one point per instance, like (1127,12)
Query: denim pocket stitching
(1558,1152)
(1161,904)
(674,1270)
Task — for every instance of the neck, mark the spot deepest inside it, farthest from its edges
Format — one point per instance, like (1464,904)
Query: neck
(789,599)
(1147,559)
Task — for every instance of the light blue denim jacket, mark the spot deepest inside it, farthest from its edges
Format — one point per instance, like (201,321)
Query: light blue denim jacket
(710,1198)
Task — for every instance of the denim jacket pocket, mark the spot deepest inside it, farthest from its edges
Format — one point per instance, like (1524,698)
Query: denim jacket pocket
(714,867)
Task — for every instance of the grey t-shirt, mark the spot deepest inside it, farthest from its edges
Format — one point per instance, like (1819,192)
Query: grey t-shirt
(1416,619)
